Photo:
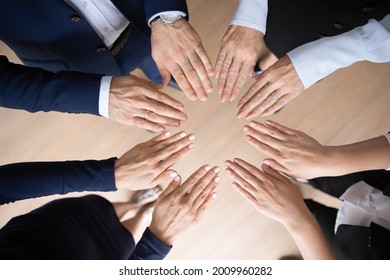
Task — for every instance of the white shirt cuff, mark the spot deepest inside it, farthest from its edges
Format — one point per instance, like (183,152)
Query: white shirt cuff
(104,96)
(166,13)
(316,60)
(252,13)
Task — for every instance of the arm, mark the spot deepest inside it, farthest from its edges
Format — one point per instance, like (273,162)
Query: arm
(307,64)
(241,47)
(276,197)
(144,166)
(177,208)
(35,89)
(296,154)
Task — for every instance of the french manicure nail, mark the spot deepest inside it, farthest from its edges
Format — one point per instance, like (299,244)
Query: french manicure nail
(252,124)
(207,167)
(192,137)
(190,146)
(214,195)
(182,134)
(228,163)
(246,128)
(177,178)
(167,134)
(183,117)
(216,170)
(173,174)
(217,179)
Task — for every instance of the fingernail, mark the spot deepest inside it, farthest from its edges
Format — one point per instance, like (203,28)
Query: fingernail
(177,178)
(190,146)
(216,170)
(207,167)
(182,134)
(193,97)
(192,137)
(180,107)
(248,138)
(228,163)
(266,162)
(239,115)
(217,179)
(246,128)
(161,129)
(183,117)
(173,174)
(228,171)
(214,195)
(252,124)
(167,134)
(268,122)
(203,97)
(234,186)
(235,160)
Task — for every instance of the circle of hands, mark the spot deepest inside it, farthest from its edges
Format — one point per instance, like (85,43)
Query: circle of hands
(137,102)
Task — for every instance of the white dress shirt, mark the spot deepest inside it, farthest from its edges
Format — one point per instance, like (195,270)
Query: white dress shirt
(315,60)
(108,22)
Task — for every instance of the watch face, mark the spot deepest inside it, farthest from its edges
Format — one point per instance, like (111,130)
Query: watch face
(170,18)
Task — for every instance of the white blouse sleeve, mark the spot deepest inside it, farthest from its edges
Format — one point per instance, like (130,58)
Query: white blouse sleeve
(316,60)
(252,13)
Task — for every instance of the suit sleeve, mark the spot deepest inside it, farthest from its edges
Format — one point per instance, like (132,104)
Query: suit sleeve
(35,179)
(149,248)
(35,89)
(153,7)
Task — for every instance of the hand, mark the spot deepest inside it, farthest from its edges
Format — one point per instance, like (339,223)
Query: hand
(134,101)
(146,165)
(178,50)
(269,192)
(289,151)
(240,50)
(180,206)
(272,90)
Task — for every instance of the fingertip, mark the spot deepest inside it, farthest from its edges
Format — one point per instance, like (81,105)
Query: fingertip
(177,179)
(214,195)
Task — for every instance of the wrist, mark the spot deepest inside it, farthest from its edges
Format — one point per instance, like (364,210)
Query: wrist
(165,238)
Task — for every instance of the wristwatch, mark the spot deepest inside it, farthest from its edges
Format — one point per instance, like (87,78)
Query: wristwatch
(169,19)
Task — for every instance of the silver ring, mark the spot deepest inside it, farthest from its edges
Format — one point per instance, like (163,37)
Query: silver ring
(146,114)
(274,96)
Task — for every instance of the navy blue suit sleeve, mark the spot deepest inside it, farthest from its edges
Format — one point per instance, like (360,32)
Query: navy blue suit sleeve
(34,179)
(35,89)
(153,7)
(149,248)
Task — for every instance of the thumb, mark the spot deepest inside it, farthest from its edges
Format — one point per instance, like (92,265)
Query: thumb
(165,75)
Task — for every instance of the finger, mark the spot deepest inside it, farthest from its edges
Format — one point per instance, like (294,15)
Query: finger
(268,130)
(173,147)
(276,166)
(272,99)
(278,105)
(182,81)
(165,75)
(174,185)
(156,118)
(175,157)
(190,68)
(260,82)
(246,194)
(264,137)
(257,100)
(220,59)
(205,205)
(231,78)
(193,179)
(246,177)
(224,73)
(148,125)
(157,139)
(205,60)
(204,186)
(158,146)
(164,105)
(245,71)
(286,130)
(251,168)
(165,175)
(275,174)
(263,147)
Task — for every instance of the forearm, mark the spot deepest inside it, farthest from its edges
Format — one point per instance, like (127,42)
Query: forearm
(371,154)
(310,240)
(35,179)
(35,89)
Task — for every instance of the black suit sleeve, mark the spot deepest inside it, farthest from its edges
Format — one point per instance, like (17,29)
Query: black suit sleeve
(28,180)
(35,89)
(153,7)
(149,248)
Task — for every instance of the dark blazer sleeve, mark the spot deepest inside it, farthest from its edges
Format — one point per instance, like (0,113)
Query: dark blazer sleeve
(35,89)
(149,248)
(28,180)
(153,7)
